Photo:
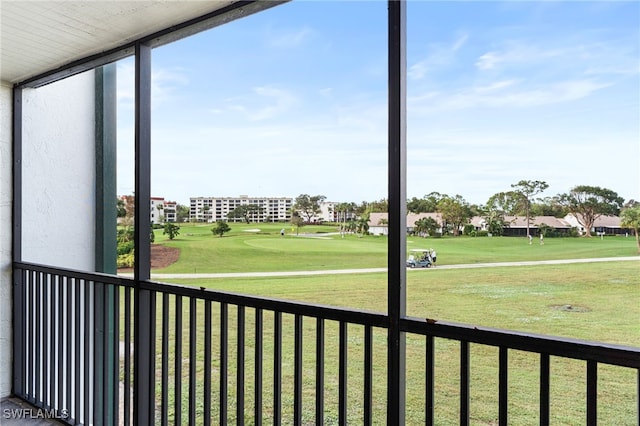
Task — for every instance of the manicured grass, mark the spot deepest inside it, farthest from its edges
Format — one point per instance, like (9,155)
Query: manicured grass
(520,298)
(244,250)
(606,296)
(605,301)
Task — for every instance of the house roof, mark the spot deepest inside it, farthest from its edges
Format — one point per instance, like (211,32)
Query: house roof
(536,221)
(375,218)
(608,222)
(41,36)
(601,222)
(412,218)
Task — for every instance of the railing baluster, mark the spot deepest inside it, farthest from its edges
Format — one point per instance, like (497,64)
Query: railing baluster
(31,346)
(224,354)
(54,330)
(87,394)
(127,355)
(164,380)
(116,354)
(192,360)
(464,382)
(342,375)
(503,392)
(46,379)
(100,356)
(319,371)
(429,381)
(152,354)
(277,368)
(207,363)
(544,389)
(297,371)
(60,349)
(592,393)
(240,368)
(177,369)
(38,338)
(69,286)
(76,359)
(258,369)
(368,375)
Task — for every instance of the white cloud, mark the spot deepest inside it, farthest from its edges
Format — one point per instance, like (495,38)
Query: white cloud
(517,52)
(440,55)
(284,39)
(262,103)
(279,102)
(506,94)
(493,87)
(164,82)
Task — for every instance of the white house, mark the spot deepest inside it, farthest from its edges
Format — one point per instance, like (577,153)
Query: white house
(379,222)
(605,225)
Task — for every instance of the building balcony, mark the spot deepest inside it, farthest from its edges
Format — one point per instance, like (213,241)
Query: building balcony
(103,349)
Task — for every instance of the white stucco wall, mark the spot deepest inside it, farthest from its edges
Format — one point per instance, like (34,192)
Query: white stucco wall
(59,174)
(5,239)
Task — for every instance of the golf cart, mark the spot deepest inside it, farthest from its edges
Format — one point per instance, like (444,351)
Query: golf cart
(419,258)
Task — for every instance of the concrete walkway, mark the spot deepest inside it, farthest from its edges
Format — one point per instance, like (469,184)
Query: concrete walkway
(378,270)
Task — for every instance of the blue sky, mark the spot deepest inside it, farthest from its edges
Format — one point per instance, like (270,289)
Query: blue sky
(293,100)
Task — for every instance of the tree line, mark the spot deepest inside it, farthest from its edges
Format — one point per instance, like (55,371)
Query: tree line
(586,203)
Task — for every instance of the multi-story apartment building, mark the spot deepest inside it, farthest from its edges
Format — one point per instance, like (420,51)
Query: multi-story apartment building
(329,212)
(160,210)
(157,210)
(170,211)
(213,209)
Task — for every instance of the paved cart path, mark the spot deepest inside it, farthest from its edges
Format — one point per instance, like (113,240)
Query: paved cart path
(378,270)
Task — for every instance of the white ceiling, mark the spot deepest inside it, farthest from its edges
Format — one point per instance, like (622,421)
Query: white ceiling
(40,36)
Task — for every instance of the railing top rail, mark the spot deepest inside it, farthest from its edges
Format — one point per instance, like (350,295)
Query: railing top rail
(626,356)
(72,273)
(351,315)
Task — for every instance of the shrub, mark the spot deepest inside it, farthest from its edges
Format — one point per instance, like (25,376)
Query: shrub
(126,260)
(548,231)
(125,247)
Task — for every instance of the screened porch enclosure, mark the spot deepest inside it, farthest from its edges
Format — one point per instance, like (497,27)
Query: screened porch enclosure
(99,348)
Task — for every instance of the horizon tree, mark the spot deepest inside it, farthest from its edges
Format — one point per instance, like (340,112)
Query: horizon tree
(297,221)
(308,205)
(182,213)
(245,212)
(526,189)
(455,212)
(426,204)
(426,225)
(631,219)
(171,229)
(588,203)
(220,228)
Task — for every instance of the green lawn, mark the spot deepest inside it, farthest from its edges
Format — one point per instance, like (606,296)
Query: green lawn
(605,301)
(245,250)
(519,298)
